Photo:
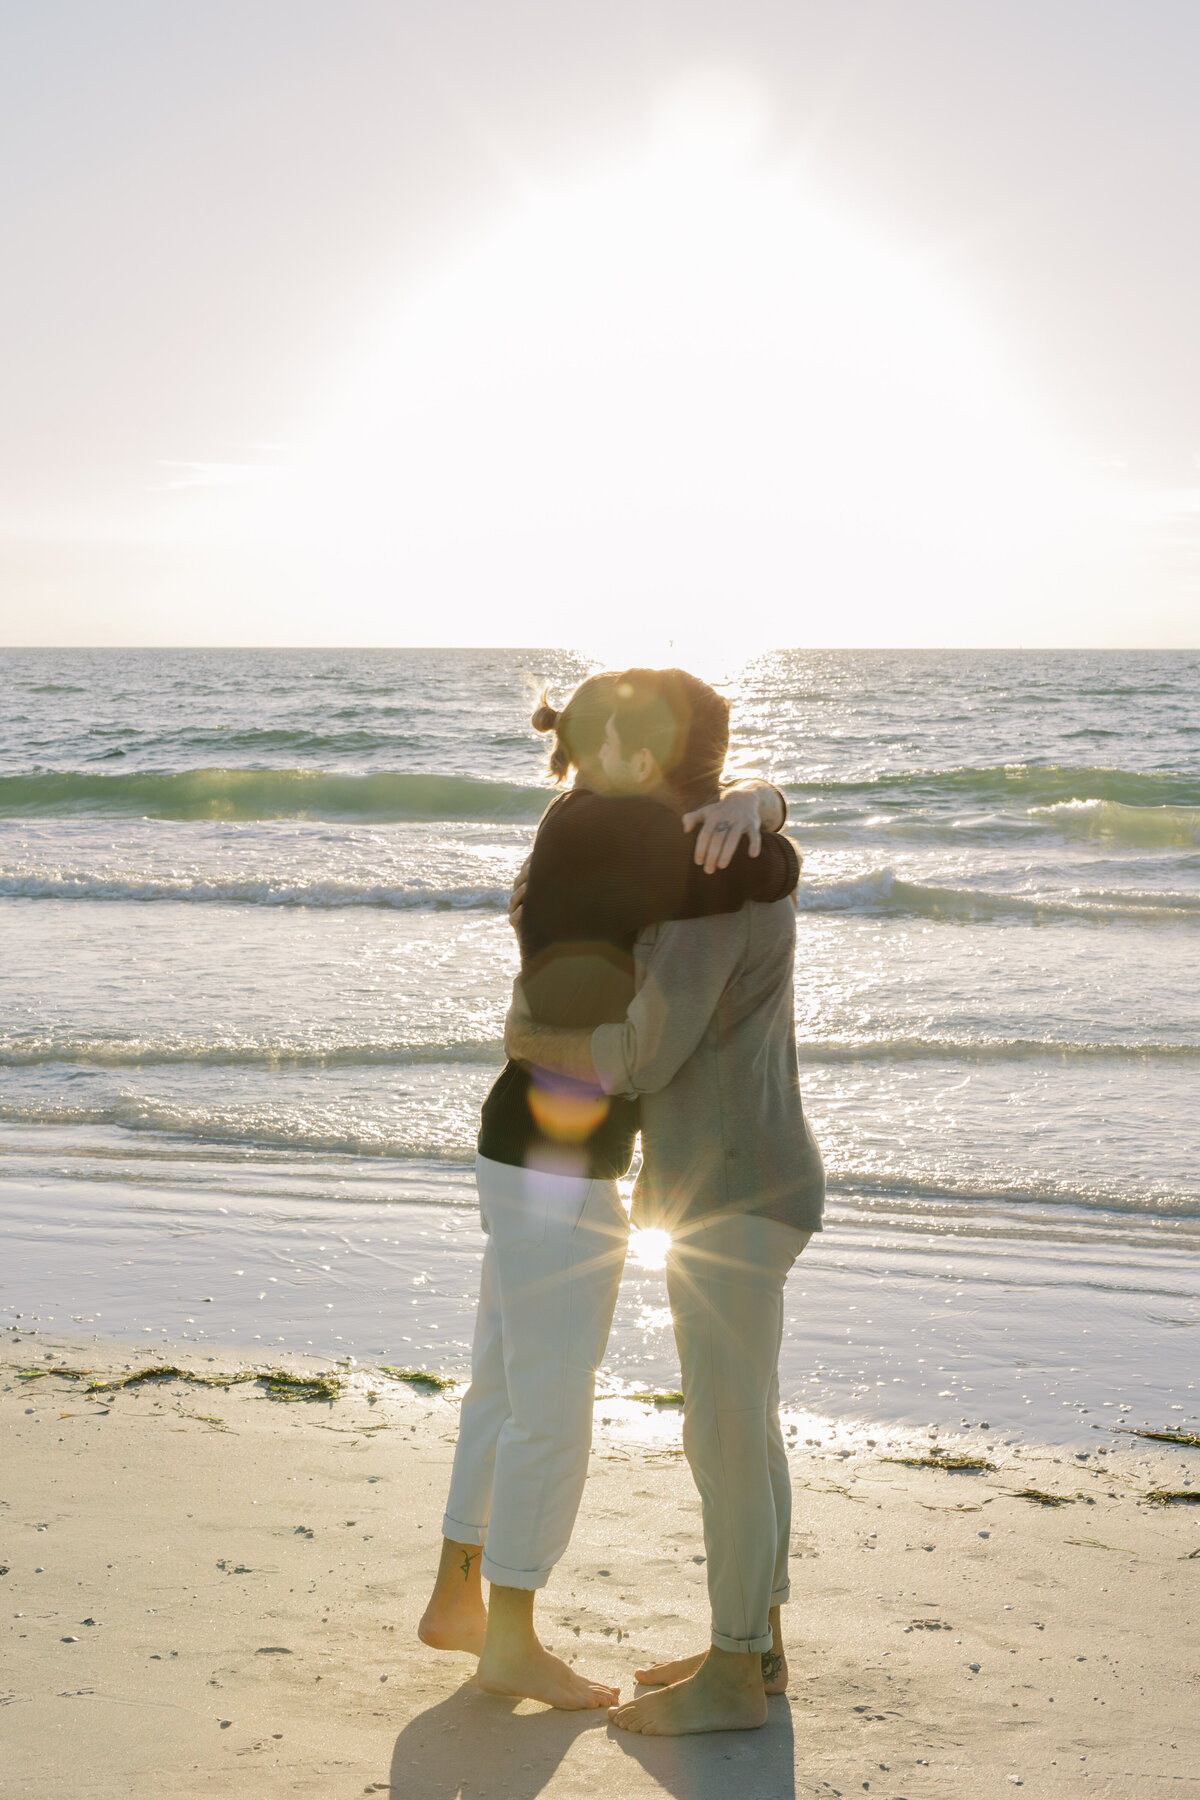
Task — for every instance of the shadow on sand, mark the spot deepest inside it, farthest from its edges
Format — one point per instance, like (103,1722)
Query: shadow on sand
(756,1765)
(472,1742)
(473,1745)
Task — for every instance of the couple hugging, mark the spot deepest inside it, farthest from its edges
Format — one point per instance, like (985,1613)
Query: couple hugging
(655,994)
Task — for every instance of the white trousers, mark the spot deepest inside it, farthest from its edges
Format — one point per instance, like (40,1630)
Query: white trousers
(551,1270)
(725,1280)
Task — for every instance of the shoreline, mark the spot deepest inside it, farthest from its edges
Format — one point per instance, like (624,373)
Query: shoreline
(995,1323)
(209,1591)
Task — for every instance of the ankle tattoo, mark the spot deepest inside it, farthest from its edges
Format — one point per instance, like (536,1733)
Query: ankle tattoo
(772,1665)
(469,1556)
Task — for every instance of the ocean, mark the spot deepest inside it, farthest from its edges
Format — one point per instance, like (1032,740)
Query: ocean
(254,962)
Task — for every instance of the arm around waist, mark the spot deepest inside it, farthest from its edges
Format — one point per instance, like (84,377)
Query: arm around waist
(691,963)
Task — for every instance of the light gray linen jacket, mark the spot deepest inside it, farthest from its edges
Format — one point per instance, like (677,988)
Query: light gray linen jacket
(709,1046)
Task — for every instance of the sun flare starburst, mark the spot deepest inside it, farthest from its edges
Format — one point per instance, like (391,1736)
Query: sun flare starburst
(649,1247)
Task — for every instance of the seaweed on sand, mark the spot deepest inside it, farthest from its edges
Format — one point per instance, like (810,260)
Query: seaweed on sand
(942,1459)
(422,1378)
(1042,1498)
(167,1372)
(282,1385)
(36,1374)
(1161,1437)
(659,1396)
(1173,1496)
(279,1383)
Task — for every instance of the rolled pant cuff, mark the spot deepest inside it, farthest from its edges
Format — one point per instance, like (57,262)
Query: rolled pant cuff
(499,1576)
(458,1533)
(744,1646)
(782,1595)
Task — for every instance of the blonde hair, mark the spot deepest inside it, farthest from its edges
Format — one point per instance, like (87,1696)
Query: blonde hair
(578,725)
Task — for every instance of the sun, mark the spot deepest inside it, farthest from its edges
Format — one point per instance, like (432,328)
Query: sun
(676,409)
(648,1247)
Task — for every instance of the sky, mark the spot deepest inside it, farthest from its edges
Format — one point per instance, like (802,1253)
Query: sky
(776,322)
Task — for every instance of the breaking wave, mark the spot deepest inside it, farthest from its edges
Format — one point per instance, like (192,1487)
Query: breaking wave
(268,794)
(882,892)
(976,1050)
(178,1133)
(29,1051)
(416,896)
(1143,826)
(385,796)
(137,1053)
(1025,784)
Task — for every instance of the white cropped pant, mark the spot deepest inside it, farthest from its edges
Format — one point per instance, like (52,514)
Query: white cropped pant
(551,1270)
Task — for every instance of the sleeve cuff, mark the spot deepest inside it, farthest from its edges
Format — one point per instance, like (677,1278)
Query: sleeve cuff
(794,865)
(783,803)
(608,1054)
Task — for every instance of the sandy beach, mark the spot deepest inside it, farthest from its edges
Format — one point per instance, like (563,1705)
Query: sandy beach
(209,1590)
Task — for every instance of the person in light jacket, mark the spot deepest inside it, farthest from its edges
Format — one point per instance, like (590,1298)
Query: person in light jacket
(731,1170)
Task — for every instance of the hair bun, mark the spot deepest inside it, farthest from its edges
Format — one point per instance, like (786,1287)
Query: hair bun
(545,718)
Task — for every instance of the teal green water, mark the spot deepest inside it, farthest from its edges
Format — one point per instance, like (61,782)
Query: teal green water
(253,951)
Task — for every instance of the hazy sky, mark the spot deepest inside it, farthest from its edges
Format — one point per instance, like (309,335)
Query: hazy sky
(532,321)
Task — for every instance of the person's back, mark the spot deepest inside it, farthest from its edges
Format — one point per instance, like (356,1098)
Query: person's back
(711,1037)
(731,1171)
(602,866)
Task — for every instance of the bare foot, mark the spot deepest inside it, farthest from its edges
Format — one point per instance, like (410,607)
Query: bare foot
(724,1694)
(454,1624)
(666,1674)
(534,1674)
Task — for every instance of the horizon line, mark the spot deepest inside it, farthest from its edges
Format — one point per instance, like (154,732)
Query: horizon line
(570,649)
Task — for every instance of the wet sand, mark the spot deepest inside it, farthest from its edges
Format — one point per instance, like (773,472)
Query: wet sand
(1033,1323)
(207,1591)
